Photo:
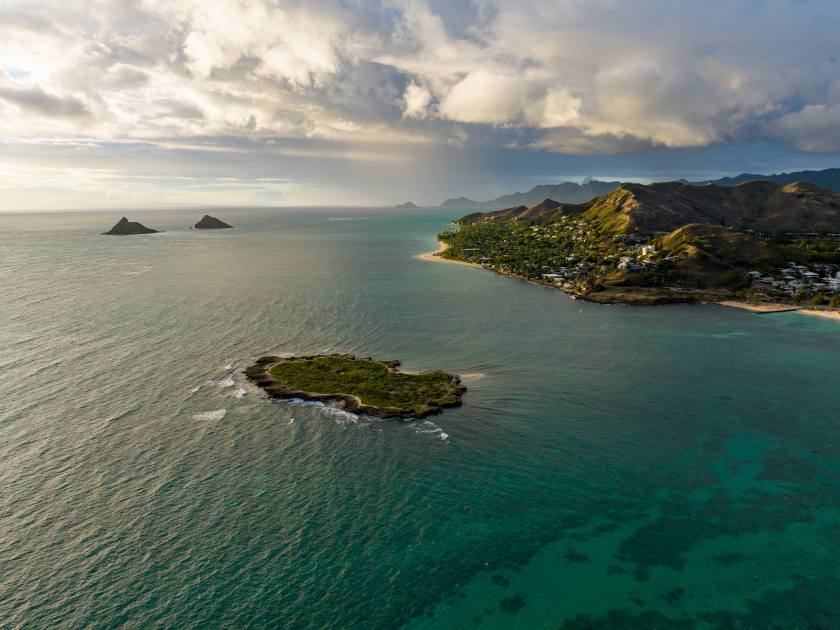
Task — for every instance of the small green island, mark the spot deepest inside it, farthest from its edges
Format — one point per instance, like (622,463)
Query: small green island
(358,385)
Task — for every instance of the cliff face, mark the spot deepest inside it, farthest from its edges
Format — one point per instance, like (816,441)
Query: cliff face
(211,223)
(124,227)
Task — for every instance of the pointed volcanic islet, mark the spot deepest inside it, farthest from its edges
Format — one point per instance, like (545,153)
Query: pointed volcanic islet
(124,227)
(211,223)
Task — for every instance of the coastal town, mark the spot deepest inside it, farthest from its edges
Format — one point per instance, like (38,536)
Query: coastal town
(572,254)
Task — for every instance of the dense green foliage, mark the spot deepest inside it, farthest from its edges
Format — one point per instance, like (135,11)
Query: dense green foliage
(532,249)
(375,383)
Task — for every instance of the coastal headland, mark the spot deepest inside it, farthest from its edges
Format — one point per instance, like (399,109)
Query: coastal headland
(357,385)
(759,246)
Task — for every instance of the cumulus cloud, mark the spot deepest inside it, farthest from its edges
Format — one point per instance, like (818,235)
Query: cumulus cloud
(662,74)
(416,101)
(574,77)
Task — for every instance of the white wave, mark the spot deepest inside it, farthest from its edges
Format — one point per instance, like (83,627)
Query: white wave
(228,382)
(427,427)
(218,414)
(333,413)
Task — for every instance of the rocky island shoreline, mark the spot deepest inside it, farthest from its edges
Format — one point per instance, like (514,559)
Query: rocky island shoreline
(358,385)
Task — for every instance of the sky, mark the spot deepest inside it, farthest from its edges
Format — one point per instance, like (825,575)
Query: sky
(166,103)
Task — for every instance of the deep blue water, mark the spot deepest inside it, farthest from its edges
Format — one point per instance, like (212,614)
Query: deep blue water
(612,467)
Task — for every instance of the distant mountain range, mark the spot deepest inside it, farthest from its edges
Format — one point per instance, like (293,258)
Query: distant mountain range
(828,178)
(570,192)
(566,192)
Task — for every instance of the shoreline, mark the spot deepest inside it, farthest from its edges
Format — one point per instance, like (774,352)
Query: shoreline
(759,307)
(436,257)
(260,375)
(821,313)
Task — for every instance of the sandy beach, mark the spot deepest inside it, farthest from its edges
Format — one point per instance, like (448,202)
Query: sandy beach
(821,313)
(435,255)
(761,307)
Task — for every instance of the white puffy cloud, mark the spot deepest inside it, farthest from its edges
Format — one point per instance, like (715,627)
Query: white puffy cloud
(670,75)
(357,80)
(486,97)
(416,101)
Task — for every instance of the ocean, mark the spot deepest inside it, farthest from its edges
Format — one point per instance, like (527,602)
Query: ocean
(611,466)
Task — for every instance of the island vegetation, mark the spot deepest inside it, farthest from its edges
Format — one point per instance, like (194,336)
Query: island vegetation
(359,385)
(673,242)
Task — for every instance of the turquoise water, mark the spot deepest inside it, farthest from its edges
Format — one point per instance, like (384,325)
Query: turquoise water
(612,467)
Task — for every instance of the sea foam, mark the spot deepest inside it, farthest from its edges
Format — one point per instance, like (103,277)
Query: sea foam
(333,413)
(217,414)
(427,427)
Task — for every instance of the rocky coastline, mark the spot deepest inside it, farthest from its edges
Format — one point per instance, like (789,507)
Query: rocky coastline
(260,373)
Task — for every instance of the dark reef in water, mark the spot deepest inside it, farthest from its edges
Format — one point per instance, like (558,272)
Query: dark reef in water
(211,223)
(357,385)
(124,227)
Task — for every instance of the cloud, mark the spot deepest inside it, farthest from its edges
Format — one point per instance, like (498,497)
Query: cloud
(814,128)
(574,142)
(486,97)
(416,101)
(352,79)
(293,44)
(38,101)
(663,74)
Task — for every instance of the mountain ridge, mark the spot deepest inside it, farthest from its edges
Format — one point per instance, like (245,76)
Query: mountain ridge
(649,208)
(827,178)
(572,193)
(564,192)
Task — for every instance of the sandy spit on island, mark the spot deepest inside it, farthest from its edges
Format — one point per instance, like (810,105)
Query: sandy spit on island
(435,255)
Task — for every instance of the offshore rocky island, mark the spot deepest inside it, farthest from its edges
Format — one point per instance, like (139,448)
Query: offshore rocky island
(759,241)
(358,385)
